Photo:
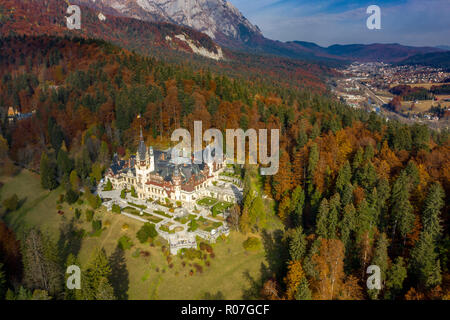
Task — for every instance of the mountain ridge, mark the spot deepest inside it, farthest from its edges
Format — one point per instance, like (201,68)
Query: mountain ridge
(219,19)
(227,26)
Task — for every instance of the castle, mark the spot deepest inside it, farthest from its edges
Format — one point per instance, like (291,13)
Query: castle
(154,175)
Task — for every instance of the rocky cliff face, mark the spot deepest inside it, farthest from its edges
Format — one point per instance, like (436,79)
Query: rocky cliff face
(217,18)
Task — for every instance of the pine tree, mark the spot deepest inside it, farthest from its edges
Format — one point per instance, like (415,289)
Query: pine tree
(333,217)
(64,164)
(74,180)
(104,290)
(380,259)
(344,177)
(303,291)
(402,210)
(48,173)
(302,138)
(348,224)
(328,217)
(425,262)
(383,194)
(297,204)
(322,217)
(312,163)
(357,159)
(297,244)
(347,195)
(395,276)
(434,202)
(92,278)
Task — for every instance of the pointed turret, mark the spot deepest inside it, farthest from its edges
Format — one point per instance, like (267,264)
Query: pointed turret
(142,149)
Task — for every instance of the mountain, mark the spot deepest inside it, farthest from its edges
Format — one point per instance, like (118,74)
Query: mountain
(434,59)
(219,19)
(202,27)
(392,52)
(163,40)
(388,53)
(443,47)
(226,25)
(47,17)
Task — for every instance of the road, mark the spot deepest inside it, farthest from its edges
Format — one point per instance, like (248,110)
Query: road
(372,95)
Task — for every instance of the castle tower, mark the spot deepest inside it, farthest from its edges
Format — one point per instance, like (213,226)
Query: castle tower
(144,161)
(151,159)
(176,178)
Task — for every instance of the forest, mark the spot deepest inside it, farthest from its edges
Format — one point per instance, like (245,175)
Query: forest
(352,189)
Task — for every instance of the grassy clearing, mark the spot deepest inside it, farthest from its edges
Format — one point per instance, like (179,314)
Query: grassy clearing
(149,273)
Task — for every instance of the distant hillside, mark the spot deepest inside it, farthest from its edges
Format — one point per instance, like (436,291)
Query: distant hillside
(444,47)
(37,17)
(435,59)
(163,40)
(389,53)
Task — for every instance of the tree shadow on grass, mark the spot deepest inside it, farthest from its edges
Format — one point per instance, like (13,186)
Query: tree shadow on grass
(277,254)
(212,296)
(253,291)
(69,241)
(119,277)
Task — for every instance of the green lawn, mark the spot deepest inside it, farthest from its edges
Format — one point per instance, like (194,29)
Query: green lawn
(162,213)
(221,207)
(150,277)
(137,205)
(206,202)
(207,225)
(146,215)
(185,219)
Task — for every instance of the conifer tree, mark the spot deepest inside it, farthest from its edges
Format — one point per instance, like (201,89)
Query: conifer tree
(322,217)
(434,202)
(344,177)
(402,210)
(104,290)
(297,244)
(395,277)
(380,259)
(312,163)
(48,173)
(348,224)
(297,204)
(425,262)
(303,291)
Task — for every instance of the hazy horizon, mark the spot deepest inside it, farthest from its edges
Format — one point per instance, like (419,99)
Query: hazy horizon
(328,22)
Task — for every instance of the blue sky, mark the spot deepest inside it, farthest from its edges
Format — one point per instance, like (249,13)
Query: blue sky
(326,22)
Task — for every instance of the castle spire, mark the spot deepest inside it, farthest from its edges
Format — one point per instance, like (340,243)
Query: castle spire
(142,136)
